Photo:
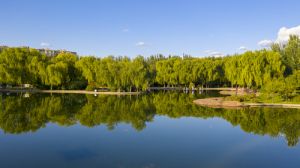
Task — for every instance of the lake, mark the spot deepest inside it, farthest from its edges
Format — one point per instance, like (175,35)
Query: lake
(162,129)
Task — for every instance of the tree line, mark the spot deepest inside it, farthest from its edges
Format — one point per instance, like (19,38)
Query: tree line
(252,69)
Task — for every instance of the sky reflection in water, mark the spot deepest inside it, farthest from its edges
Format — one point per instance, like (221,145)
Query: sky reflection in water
(155,130)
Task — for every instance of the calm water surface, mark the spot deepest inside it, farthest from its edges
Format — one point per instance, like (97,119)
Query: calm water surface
(148,131)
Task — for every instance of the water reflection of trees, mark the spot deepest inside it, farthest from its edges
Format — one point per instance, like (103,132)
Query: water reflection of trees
(20,114)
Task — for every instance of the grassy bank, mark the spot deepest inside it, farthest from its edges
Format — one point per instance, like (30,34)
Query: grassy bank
(245,99)
(221,102)
(263,98)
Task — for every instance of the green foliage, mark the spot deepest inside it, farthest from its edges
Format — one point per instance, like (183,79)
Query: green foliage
(139,76)
(20,65)
(56,74)
(290,53)
(90,88)
(243,98)
(86,67)
(283,87)
(252,69)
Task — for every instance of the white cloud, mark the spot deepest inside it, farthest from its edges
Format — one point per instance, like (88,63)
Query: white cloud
(125,30)
(284,34)
(243,48)
(213,53)
(45,44)
(265,43)
(207,51)
(140,44)
(216,54)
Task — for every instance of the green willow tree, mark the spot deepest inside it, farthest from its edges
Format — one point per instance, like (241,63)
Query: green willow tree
(252,69)
(290,53)
(139,74)
(20,65)
(86,65)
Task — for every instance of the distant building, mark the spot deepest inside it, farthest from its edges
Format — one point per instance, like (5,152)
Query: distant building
(53,53)
(47,52)
(3,47)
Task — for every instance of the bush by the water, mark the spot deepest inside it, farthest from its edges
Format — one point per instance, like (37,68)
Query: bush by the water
(242,98)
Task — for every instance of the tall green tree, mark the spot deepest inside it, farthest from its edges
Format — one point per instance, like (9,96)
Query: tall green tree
(86,65)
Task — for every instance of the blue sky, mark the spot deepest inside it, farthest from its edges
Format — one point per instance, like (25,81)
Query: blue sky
(132,27)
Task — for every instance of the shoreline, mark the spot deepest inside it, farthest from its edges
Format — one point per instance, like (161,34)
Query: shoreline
(219,102)
(67,92)
(195,89)
(18,90)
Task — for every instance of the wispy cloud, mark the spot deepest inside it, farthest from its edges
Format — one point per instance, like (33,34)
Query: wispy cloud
(265,43)
(213,53)
(125,30)
(243,48)
(207,51)
(44,44)
(140,44)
